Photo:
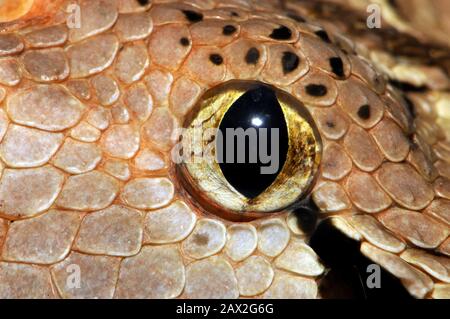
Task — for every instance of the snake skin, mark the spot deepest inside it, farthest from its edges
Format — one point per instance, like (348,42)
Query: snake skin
(87,121)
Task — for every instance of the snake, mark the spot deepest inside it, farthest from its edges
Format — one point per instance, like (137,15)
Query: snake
(93,92)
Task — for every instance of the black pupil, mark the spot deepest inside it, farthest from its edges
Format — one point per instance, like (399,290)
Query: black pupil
(255,141)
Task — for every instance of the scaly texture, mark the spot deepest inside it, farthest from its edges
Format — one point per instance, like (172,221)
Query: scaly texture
(86,125)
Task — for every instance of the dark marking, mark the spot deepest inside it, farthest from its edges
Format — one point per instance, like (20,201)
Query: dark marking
(234,14)
(252,56)
(364,112)
(296,17)
(143,2)
(323,35)
(229,29)
(337,66)
(410,108)
(185,42)
(407,87)
(330,124)
(281,33)
(289,61)
(193,16)
(393,4)
(307,215)
(348,275)
(212,138)
(414,146)
(316,89)
(201,239)
(216,59)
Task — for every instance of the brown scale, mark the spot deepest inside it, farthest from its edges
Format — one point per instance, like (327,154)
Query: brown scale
(365,193)
(246,58)
(362,104)
(388,38)
(159,83)
(285,65)
(183,95)
(316,88)
(391,140)
(89,116)
(336,164)
(106,89)
(139,101)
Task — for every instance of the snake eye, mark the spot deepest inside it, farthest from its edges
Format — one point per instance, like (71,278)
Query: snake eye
(248,149)
(256,111)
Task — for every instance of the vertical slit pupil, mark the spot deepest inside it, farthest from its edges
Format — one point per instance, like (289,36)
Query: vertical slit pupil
(254,143)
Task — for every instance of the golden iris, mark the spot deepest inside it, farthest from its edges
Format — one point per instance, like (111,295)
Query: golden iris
(214,183)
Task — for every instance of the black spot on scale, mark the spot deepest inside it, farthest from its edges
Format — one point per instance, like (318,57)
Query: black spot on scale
(143,2)
(216,59)
(281,33)
(252,56)
(193,16)
(323,35)
(229,29)
(316,90)
(289,62)
(364,112)
(185,42)
(337,66)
